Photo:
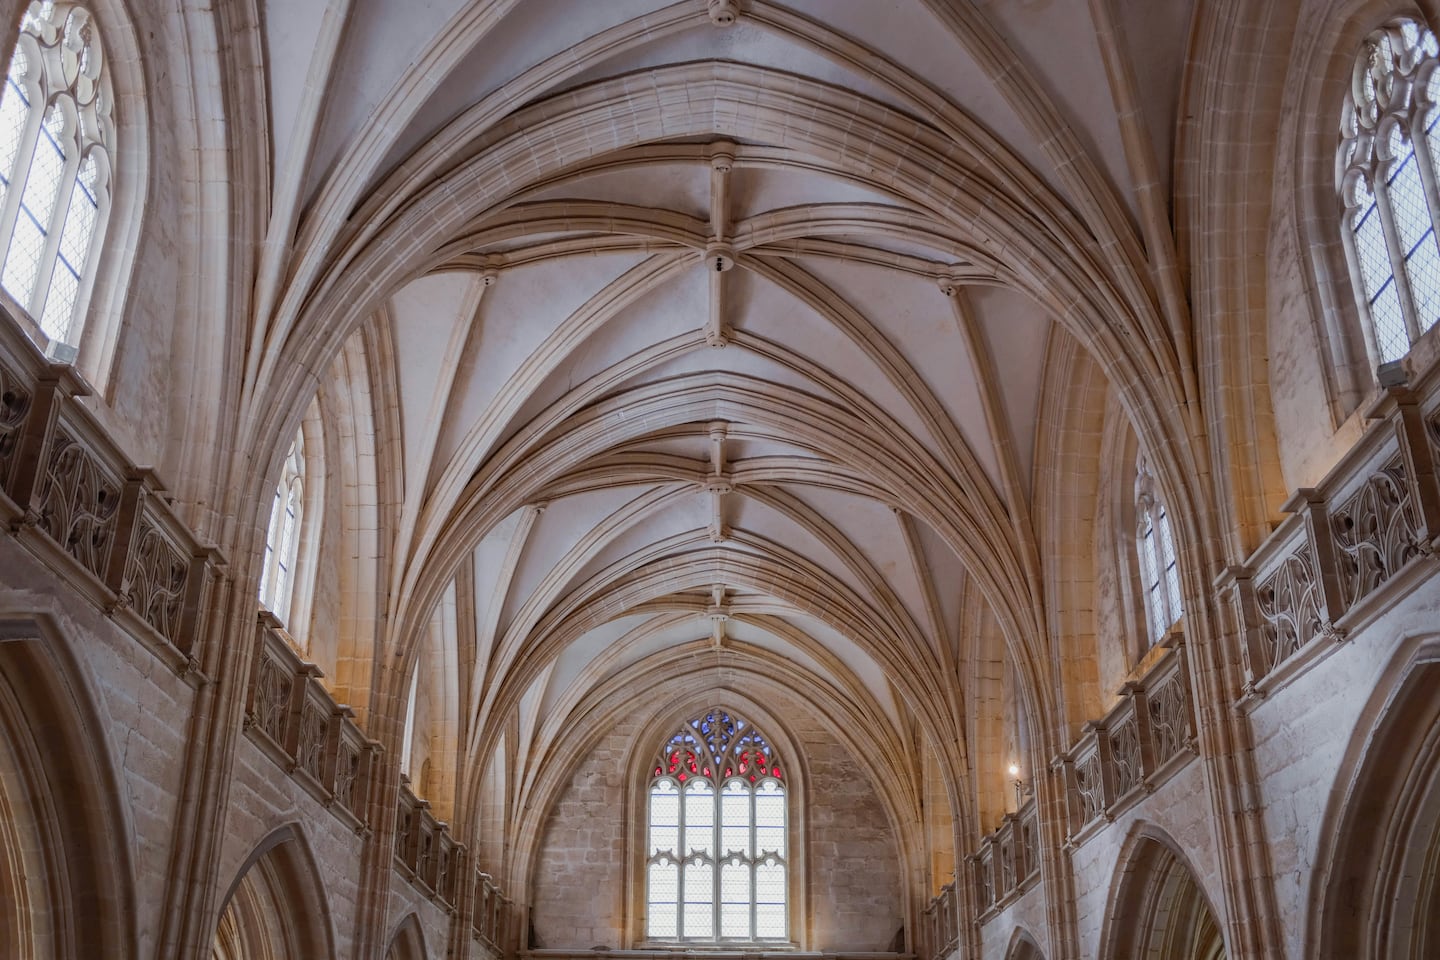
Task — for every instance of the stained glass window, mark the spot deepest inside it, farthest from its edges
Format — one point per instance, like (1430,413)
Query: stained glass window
(1159,572)
(56,141)
(282,538)
(1386,177)
(717,867)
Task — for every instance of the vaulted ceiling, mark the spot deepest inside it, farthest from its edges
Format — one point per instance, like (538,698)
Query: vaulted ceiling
(688,367)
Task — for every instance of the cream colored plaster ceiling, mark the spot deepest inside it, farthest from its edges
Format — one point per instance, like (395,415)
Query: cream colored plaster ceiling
(582,298)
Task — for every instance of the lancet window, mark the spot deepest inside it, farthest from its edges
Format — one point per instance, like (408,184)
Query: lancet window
(1159,573)
(56,144)
(282,538)
(1386,171)
(717,860)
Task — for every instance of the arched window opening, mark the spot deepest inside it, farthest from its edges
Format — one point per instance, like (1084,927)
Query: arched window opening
(1389,149)
(56,143)
(717,863)
(1159,573)
(282,539)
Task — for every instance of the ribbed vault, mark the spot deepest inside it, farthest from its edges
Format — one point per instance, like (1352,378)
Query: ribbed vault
(695,357)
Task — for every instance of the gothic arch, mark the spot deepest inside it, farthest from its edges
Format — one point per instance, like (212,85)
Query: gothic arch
(1076,401)
(276,908)
(408,941)
(1224,186)
(65,871)
(1378,895)
(1023,946)
(129,175)
(1156,907)
(683,680)
(1318,76)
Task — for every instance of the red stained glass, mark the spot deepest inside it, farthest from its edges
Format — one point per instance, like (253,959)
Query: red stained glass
(682,778)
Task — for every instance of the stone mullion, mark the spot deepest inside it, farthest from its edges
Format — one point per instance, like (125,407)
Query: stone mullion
(1396,248)
(1357,280)
(59,213)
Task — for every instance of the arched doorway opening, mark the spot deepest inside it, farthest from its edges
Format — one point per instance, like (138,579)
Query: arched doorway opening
(65,876)
(1381,891)
(1157,908)
(276,908)
(1023,947)
(408,943)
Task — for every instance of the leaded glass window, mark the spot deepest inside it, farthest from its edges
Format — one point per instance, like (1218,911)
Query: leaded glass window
(1386,176)
(1159,572)
(716,867)
(282,537)
(56,143)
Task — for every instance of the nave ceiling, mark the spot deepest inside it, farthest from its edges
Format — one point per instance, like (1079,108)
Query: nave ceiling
(715,351)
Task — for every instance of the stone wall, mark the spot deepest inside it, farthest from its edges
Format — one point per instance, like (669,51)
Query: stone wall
(853,879)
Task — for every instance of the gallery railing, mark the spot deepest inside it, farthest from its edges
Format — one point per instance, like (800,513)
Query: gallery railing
(295,720)
(1139,744)
(90,514)
(105,525)
(1362,536)
(429,857)
(1125,755)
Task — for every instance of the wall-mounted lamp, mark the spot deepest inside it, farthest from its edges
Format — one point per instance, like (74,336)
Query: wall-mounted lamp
(1019,785)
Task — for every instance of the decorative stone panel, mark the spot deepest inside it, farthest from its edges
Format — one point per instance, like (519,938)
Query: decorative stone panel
(1375,531)
(79,502)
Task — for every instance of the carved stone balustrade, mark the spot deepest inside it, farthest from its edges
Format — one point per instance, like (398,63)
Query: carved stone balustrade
(1010,857)
(942,926)
(1353,543)
(296,721)
(91,515)
(490,913)
(426,853)
(1124,756)
(1004,866)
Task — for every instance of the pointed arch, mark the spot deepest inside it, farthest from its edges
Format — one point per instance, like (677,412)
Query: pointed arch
(66,877)
(1156,906)
(408,941)
(1023,946)
(276,907)
(1380,856)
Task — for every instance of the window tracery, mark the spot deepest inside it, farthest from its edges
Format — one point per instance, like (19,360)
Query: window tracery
(1386,172)
(1159,572)
(56,143)
(717,863)
(282,538)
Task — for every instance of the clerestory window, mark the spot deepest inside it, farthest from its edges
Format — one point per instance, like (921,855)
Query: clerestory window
(56,145)
(1159,573)
(1386,173)
(282,537)
(717,862)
